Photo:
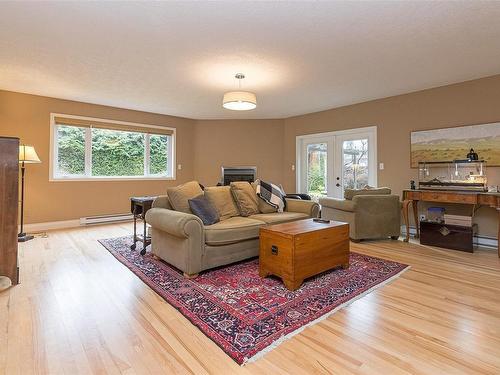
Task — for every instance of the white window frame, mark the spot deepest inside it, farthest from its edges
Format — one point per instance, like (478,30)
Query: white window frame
(53,177)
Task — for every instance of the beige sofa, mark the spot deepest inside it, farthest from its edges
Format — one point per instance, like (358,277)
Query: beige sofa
(181,239)
(371,213)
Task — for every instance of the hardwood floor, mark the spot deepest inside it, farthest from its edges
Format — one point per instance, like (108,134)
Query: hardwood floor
(79,311)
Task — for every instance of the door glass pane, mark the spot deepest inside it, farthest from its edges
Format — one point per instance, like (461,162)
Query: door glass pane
(355,163)
(316,169)
(70,150)
(117,153)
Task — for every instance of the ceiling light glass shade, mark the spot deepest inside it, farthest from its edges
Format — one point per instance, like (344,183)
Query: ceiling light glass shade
(27,154)
(239,100)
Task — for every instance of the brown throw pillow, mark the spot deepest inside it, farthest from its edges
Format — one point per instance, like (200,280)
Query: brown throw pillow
(222,199)
(180,195)
(245,197)
(264,207)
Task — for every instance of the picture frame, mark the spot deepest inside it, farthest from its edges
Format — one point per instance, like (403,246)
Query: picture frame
(448,144)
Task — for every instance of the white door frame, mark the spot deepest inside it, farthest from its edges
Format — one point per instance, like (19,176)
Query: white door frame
(301,165)
(301,140)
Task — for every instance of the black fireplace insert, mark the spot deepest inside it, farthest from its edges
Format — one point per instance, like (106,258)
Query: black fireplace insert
(231,174)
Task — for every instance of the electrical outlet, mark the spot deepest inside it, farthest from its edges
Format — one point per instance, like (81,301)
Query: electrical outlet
(179,166)
(381,166)
(293,167)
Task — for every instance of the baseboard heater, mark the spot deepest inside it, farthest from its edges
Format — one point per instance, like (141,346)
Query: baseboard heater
(103,219)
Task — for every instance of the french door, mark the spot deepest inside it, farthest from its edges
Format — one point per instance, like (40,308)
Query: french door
(328,163)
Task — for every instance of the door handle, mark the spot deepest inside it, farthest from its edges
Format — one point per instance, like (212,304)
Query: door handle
(337,184)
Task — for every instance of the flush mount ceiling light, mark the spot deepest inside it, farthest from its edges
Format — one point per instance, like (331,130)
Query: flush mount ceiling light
(239,100)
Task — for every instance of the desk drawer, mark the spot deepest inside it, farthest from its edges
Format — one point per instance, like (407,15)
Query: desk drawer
(490,200)
(415,195)
(435,196)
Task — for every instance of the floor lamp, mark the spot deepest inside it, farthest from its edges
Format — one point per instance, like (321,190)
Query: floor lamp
(27,155)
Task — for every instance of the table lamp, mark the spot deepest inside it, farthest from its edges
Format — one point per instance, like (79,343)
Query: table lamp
(27,155)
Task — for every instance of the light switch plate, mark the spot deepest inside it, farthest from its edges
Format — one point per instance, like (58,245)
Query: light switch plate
(179,166)
(381,166)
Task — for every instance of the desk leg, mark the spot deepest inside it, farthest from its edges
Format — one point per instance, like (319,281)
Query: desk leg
(406,204)
(135,232)
(143,251)
(498,238)
(414,205)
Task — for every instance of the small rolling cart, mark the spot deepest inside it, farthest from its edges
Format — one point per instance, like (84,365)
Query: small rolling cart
(139,206)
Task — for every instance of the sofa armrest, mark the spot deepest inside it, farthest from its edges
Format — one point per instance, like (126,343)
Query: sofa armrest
(306,207)
(176,223)
(338,204)
(161,201)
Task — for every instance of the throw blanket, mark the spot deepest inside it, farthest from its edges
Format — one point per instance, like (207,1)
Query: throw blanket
(271,194)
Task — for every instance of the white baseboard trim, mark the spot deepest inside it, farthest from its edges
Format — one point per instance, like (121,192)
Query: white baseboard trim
(483,241)
(51,225)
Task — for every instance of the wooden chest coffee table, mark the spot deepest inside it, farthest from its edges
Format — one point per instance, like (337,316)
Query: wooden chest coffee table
(301,249)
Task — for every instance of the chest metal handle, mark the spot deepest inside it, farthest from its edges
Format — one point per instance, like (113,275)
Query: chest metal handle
(274,250)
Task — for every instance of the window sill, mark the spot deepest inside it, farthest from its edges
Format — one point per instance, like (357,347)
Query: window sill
(98,179)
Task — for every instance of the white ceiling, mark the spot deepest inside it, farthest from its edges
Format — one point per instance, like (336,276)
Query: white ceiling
(299,57)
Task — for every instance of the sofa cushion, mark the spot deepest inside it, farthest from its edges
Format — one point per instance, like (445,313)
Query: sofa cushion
(178,196)
(222,199)
(232,230)
(202,208)
(263,206)
(351,193)
(245,198)
(279,217)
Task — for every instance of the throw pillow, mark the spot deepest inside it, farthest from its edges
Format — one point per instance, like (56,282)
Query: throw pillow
(245,197)
(264,207)
(205,210)
(179,195)
(222,199)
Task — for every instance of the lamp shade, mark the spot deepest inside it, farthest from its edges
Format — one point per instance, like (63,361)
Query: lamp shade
(239,100)
(27,154)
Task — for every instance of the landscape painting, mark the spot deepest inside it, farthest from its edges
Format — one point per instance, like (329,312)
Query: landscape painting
(454,143)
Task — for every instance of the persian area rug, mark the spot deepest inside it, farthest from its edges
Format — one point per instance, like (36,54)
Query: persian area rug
(247,316)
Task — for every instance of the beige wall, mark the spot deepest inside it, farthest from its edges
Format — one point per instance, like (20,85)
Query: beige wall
(203,146)
(472,102)
(28,117)
(238,143)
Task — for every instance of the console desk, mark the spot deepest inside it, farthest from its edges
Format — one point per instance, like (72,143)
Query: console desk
(412,197)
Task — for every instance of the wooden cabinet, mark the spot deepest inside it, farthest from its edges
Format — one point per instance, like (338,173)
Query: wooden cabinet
(9,176)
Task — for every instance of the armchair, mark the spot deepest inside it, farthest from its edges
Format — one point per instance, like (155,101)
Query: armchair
(370,216)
